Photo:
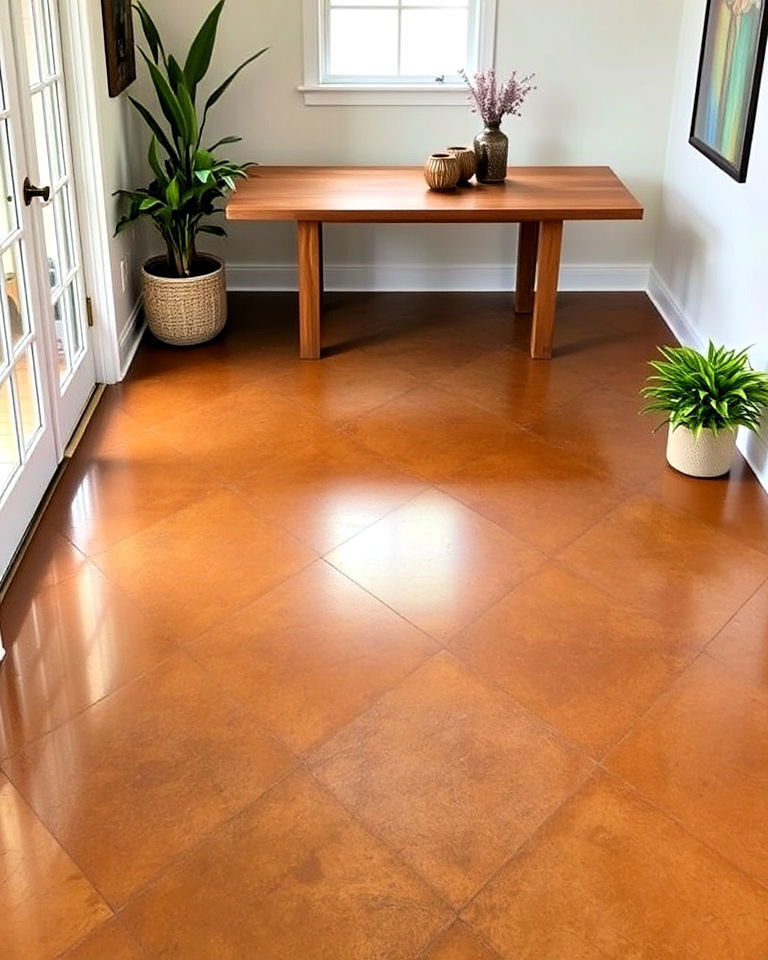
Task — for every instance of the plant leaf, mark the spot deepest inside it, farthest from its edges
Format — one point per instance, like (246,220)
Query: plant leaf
(200,53)
(151,32)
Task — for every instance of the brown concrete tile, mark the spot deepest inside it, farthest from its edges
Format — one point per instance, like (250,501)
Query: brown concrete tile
(700,755)
(436,562)
(509,384)
(668,565)
(537,491)
(603,427)
(743,642)
(343,386)
(108,942)
(576,657)
(328,490)
(451,773)
(310,655)
(736,504)
(46,903)
(459,943)
(236,434)
(293,876)
(68,646)
(140,777)
(609,876)
(431,432)
(202,563)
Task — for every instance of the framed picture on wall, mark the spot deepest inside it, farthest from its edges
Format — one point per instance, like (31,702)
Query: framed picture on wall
(728,86)
(118,44)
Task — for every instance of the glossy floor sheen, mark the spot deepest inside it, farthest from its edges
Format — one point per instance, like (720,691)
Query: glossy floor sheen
(416,653)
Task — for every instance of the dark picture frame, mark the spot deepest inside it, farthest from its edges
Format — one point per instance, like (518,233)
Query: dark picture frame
(728,83)
(118,44)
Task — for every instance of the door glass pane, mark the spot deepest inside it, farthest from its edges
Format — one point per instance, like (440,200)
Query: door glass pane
(9,447)
(61,321)
(58,238)
(48,52)
(14,285)
(50,148)
(9,219)
(30,40)
(28,397)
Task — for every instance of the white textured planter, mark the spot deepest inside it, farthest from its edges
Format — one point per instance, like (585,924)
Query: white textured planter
(711,455)
(184,311)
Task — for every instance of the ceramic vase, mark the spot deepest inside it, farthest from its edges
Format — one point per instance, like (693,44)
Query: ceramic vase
(491,150)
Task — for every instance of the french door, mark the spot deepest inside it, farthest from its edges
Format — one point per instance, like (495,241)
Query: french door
(46,357)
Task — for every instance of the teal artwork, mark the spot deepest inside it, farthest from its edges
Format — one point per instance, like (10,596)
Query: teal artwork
(730,69)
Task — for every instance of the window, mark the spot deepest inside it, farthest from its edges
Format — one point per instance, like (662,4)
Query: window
(394,51)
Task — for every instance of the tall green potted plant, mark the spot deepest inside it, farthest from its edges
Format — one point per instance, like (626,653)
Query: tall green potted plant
(184,291)
(706,398)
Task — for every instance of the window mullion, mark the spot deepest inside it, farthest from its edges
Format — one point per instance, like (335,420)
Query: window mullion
(399,38)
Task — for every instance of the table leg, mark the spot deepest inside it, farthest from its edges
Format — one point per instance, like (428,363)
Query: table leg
(550,245)
(526,266)
(310,287)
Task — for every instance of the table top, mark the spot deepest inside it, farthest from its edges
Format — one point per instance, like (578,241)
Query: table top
(400,195)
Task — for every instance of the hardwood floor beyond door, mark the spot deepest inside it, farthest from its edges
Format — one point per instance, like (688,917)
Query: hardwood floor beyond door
(419,652)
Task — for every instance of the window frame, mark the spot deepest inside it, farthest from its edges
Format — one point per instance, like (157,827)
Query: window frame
(318,91)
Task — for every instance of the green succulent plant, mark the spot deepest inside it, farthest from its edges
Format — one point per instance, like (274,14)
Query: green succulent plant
(715,391)
(189,178)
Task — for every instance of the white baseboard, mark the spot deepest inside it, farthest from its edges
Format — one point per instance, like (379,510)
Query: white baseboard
(405,277)
(753,447)
(130,337)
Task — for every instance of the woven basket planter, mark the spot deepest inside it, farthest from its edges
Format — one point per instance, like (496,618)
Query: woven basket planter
(184,311)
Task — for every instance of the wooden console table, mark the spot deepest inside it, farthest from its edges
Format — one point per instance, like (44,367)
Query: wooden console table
(540,199)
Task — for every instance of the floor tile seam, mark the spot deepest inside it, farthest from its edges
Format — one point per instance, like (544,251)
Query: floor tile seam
(507,428)
(673,818)
(135,942)
(550,553)
(736,614)
(62,847)
(529,841)
(544,726)
(325,559)
(662,698)
(386,844)
(425,953)
(120,907)
(7,758)
(649,491)
(219,487)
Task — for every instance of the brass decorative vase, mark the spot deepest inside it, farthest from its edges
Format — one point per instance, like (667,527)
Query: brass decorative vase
(442,171)
(467,162)
(491,150)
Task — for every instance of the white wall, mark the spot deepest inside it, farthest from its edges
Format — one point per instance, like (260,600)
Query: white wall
(710,266)
(119,162)
(605,75)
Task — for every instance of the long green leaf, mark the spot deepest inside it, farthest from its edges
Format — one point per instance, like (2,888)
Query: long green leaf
(150,32)
(154,161)
(200,53)
(167,99)
(158,131)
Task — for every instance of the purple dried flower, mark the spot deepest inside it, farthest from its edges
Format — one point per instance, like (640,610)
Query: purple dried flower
(493,100)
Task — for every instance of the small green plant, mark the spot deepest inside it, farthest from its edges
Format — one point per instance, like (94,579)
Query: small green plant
(716,391)
(189,178)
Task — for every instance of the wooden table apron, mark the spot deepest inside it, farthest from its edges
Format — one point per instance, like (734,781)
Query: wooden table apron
(540,199)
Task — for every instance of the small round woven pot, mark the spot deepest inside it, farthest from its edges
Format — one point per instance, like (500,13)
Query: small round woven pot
(467,162)
(441,171)
(711,455)
(184,311)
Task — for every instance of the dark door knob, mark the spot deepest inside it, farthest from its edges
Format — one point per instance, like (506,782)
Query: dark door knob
(31,191)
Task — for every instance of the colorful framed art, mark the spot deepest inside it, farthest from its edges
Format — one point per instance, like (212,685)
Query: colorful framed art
(728,86)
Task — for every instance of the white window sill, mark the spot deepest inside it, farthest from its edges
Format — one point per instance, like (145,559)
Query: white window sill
(333,95)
